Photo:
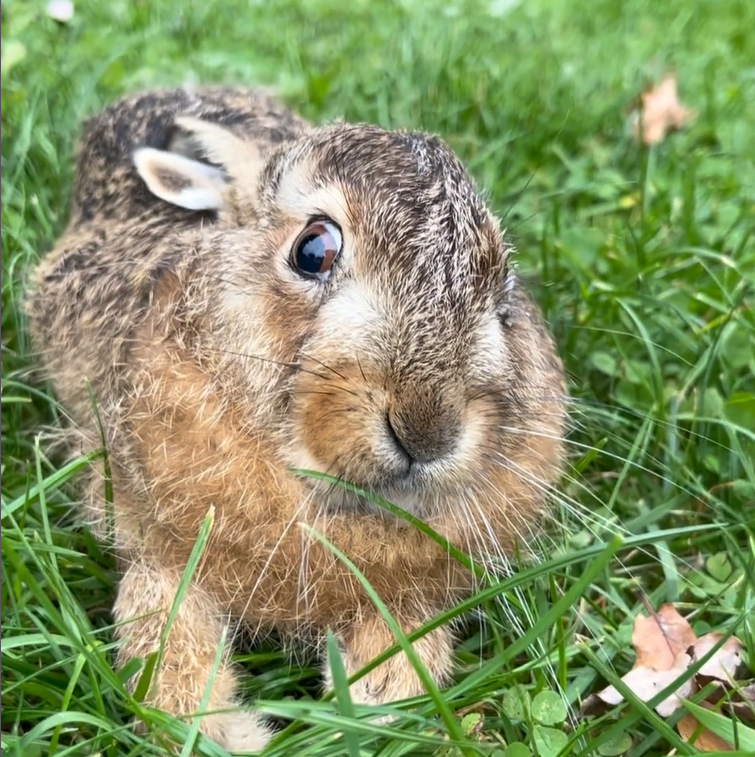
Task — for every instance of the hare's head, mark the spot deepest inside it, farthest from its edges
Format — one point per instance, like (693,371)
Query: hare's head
(360,274)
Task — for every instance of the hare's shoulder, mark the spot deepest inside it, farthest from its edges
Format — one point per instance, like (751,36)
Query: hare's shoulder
(95,286)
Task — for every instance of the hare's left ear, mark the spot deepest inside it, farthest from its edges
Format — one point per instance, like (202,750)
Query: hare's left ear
(240,159)
(181,181)
(196,169)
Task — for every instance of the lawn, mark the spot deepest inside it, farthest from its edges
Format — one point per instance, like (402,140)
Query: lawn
(643,260)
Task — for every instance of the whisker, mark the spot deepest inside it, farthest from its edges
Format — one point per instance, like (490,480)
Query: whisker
(324,365)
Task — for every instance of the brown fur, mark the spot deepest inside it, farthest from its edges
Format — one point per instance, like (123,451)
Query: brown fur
(419,370)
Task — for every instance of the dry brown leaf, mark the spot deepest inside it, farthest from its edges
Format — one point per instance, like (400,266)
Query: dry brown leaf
(724,662)
(661,643)
(666,646)
(705,740)
(660,112)
(661,638)
(744,704)
(645,683)
(748,693)
(730,699)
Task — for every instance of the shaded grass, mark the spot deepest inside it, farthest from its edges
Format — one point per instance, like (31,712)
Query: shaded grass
(642,259)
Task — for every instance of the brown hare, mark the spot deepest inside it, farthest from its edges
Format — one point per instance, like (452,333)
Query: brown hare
(244,294)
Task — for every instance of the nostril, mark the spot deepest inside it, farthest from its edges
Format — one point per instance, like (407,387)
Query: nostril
(422,439)
(395,437)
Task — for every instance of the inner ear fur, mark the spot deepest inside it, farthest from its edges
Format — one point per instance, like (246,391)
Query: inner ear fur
(181,181)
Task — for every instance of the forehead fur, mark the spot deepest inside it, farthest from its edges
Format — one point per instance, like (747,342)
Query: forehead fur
(411,205)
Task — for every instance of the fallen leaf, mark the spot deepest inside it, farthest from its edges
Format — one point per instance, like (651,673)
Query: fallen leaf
(731,699)
(659,639)
(744,705)
(724,662)
(660,112)
(645,683)
(665,647)
(706,741)
(724,727)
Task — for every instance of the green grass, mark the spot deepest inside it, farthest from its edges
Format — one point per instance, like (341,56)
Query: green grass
(642,259)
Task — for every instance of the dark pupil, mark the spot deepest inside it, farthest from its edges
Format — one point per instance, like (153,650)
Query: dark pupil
(315,252)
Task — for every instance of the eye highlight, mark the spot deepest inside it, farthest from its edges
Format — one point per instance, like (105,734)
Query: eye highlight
(316,249)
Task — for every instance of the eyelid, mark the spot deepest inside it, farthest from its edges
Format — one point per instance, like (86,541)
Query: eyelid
(319,216)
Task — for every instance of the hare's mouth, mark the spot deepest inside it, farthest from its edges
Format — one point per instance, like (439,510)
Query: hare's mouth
(339,495)
(372,486)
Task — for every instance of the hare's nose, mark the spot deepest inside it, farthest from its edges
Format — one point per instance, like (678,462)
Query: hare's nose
(421,435)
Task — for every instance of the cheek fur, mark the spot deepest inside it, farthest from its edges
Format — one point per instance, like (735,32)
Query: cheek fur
(349,323)
(338,395)
(337,419)
(513,490)
(491,357)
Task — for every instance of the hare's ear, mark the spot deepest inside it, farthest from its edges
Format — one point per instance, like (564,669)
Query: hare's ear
(240,159)
(181,181)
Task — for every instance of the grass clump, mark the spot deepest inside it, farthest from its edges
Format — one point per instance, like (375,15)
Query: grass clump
(643,260)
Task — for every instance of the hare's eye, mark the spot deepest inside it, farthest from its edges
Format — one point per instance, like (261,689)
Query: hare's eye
(316,248)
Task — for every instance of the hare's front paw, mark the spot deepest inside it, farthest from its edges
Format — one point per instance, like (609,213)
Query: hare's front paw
(189,661)
(239,732)
(396,678)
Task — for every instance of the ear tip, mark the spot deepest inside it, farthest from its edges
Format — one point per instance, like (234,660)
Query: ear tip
(189,123)
(198,126)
